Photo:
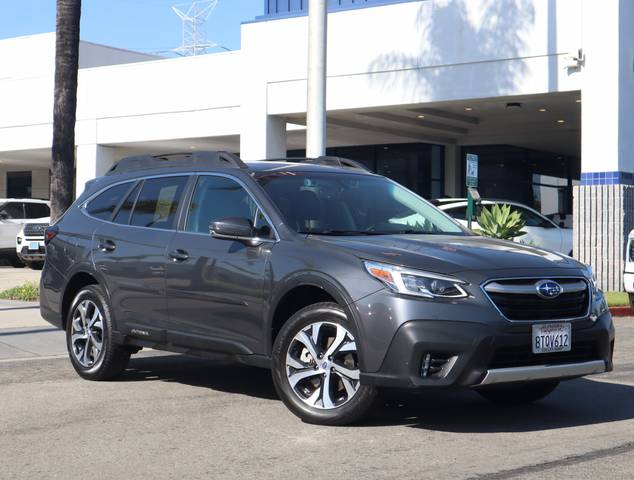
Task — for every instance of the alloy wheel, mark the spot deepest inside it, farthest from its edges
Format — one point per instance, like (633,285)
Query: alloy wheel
(322,365)
(87,333)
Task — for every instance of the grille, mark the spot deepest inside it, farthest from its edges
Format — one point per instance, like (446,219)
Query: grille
(35,229)
(510,357)
(518,299)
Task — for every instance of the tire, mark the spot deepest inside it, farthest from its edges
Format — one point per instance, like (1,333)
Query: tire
(345,400)
(15,261)
(515,394)
(631,295)
(35,265)
(111,359)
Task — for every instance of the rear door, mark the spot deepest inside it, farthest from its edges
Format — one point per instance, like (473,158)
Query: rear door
(215,287)
(130,251)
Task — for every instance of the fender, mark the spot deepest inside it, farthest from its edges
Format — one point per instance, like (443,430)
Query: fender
(315,279)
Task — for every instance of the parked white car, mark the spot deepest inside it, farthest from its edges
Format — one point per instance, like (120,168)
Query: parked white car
(29,244)
(628,275)
(14,213)
(540,231)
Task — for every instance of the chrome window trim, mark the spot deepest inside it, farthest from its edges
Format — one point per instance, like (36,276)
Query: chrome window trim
(82,206)
(536,278)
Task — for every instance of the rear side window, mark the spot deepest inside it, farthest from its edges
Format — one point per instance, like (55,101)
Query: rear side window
(12,210)
(158,202)
(37,210)
(123,215)
(104,204)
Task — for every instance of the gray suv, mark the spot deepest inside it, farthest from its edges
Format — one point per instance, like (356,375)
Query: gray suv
(338,280)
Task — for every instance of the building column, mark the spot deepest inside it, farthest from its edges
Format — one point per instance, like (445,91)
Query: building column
(604,201)
(92,161)
(262,136)
(453,170)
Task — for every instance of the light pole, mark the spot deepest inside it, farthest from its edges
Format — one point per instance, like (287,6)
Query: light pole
(316,94)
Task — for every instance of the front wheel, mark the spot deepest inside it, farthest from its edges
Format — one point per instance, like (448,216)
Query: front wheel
(89,328)
(519,393)
(316,367)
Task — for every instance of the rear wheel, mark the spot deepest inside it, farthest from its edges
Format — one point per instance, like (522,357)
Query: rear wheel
(631,300)
(519,393)
(316,367)
(89,337)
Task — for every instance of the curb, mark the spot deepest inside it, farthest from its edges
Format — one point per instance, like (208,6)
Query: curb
(621,311)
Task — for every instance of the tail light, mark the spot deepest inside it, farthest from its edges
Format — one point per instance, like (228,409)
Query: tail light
(50,233)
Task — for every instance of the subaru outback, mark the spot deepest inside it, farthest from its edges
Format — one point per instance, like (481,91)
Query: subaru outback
(339,280)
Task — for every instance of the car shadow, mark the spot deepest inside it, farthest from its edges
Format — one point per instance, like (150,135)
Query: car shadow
(574,403)
(218,374)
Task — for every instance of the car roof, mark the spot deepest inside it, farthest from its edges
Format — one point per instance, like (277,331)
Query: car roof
(290,166)
(25,200)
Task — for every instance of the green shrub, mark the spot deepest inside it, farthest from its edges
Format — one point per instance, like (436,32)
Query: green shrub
(27,292)
(617,299)
(500,222)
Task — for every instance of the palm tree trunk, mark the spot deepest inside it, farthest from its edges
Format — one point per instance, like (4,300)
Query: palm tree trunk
(65,106)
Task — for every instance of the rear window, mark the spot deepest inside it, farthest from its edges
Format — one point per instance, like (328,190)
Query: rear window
(104,204)
(37,210)
(158,202)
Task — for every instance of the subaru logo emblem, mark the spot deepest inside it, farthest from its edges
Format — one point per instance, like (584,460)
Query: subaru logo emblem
(548,289)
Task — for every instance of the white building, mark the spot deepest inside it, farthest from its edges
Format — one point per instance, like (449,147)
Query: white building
(542,90)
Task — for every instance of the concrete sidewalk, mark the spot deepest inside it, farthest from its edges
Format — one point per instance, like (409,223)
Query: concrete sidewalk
(24,334)
(12,277)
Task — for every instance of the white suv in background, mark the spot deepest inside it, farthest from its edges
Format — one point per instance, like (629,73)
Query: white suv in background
(14,213)
(628,275)
(540,231)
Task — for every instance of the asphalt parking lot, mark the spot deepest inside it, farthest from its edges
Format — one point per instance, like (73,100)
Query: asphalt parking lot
(172,416)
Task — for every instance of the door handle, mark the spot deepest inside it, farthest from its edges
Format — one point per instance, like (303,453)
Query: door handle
(106,246)
(178,255)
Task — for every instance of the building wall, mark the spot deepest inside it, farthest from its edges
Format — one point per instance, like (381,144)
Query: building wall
(40,181)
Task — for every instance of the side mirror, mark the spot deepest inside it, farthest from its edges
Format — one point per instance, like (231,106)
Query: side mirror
(4,215)
(232,228)
(562,224)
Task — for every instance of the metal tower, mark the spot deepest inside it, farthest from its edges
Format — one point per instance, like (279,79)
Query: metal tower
(194,17)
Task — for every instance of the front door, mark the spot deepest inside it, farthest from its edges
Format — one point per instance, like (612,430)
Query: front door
(215,288)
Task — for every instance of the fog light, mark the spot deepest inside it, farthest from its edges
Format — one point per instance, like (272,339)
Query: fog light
(436,365)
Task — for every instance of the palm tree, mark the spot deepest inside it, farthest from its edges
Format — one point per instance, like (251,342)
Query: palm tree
(65,105)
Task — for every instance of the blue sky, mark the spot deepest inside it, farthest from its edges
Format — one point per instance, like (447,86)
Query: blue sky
(145,25)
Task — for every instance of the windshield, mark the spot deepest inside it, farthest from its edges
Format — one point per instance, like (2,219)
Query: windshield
(349,204)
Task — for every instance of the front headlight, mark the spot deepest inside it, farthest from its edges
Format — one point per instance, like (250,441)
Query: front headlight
(417,283)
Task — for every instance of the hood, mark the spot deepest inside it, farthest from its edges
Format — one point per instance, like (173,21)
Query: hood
(450,253)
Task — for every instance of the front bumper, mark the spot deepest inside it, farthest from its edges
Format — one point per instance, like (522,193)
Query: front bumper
(484,349)
(28,255)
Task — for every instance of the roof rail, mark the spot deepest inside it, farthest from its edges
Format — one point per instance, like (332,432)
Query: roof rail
(332,162)
(177,160)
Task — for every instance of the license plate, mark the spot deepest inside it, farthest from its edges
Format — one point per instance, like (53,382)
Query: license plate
(551,337)
(34,245)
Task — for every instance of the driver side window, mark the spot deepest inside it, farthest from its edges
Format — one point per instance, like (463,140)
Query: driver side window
(216,198)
